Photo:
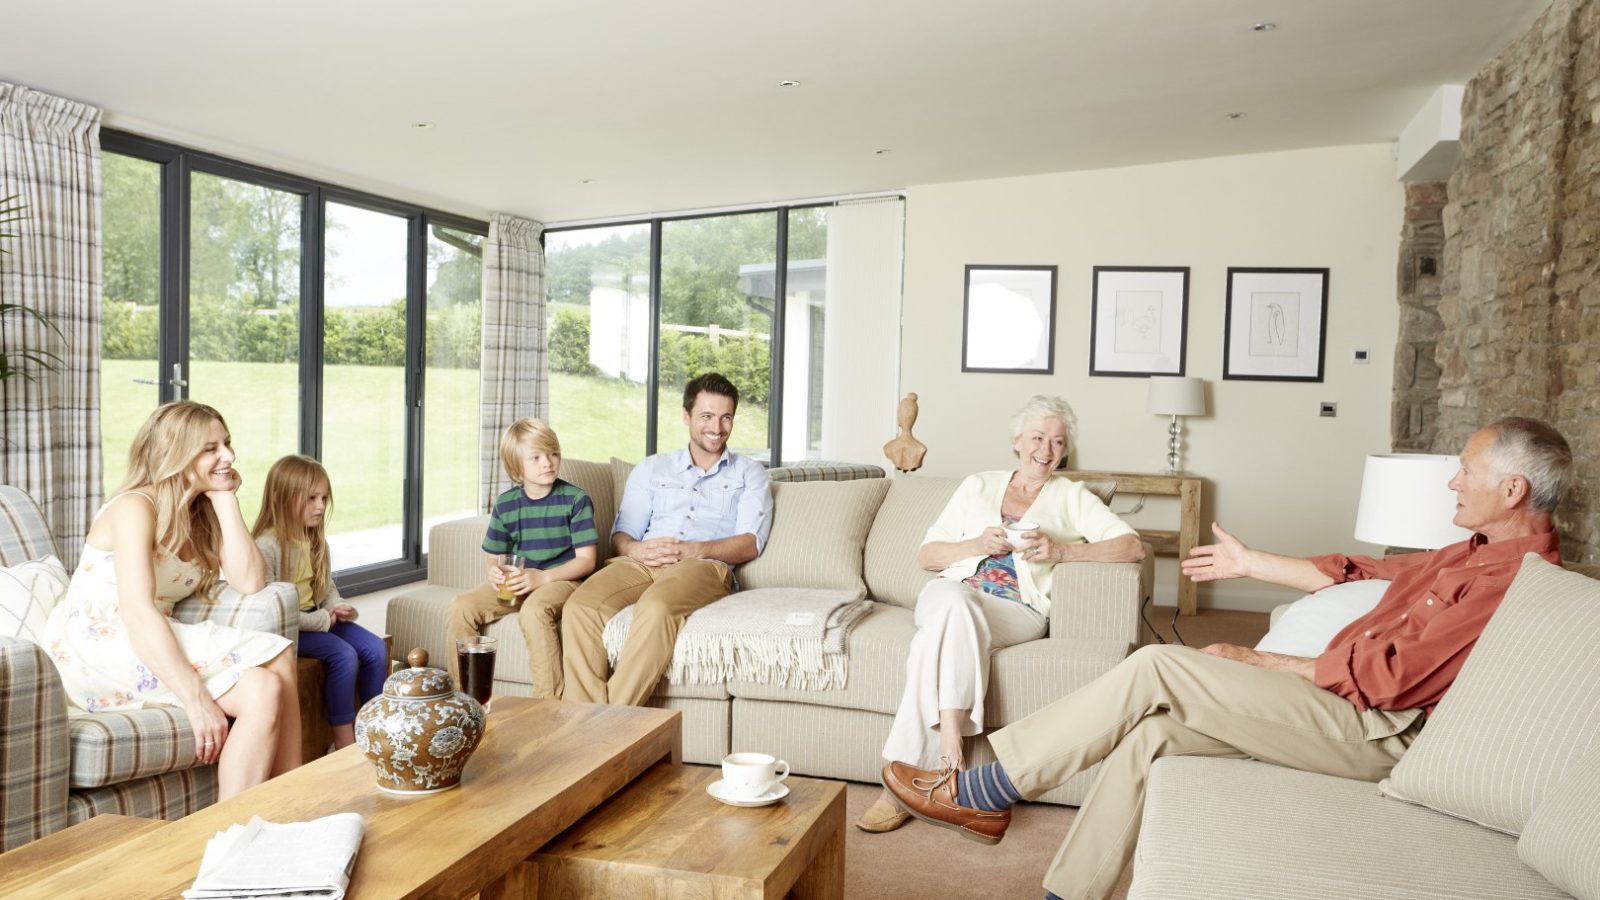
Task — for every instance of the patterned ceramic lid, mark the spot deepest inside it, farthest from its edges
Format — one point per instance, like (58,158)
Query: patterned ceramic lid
(420,681)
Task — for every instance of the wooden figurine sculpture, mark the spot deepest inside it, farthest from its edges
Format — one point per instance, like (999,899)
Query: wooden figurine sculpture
(905,451)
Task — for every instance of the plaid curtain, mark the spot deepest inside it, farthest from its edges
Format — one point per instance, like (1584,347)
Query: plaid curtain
(50,443)
(515,377)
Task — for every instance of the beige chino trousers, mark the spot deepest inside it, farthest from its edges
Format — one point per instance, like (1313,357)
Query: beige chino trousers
(539,618)
(665,595)
(1177,701)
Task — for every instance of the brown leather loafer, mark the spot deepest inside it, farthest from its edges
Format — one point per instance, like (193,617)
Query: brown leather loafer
(931,796)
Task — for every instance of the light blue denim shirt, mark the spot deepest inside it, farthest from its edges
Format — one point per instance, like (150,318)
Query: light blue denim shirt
(667,495)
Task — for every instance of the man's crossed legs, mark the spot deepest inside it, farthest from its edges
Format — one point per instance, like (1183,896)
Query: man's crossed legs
(1160,701)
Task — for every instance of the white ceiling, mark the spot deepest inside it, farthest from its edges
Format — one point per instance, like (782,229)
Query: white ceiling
(675,105)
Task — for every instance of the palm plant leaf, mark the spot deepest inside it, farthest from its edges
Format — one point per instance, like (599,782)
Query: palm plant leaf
(7,308)
(12,209)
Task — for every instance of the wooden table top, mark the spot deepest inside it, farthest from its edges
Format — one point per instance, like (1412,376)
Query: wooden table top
(42,859)
(542,765)
(665,821)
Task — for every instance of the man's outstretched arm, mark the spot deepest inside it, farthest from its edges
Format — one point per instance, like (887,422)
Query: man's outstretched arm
(1229,558)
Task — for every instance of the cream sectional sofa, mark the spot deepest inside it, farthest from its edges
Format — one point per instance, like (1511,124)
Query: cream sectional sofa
(1498,798)
(826,534)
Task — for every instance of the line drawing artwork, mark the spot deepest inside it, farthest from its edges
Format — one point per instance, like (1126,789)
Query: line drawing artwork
(1274,323)
(1137,322)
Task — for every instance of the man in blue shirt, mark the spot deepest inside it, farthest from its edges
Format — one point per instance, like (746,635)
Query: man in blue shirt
(686,519)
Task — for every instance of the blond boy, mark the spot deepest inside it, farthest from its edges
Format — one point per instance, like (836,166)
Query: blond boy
(549,523)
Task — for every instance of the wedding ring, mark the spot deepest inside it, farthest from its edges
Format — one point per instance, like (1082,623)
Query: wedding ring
(210,742)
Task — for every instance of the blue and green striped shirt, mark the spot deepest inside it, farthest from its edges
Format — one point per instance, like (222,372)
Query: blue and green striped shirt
(545,532)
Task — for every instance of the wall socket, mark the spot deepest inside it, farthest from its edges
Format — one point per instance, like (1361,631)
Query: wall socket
(1360,357)
(1328,409)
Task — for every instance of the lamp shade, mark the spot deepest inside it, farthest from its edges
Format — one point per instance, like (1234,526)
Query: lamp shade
(1172,395)
(1406,501)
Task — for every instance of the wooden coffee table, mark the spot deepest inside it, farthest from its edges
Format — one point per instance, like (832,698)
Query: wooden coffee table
(542,765)
(665,838)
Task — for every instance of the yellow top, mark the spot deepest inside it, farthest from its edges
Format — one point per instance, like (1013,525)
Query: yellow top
(302,575)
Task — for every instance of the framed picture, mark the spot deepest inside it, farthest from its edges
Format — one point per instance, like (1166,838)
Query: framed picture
(1009,320)
(1139,322)
(1276,324)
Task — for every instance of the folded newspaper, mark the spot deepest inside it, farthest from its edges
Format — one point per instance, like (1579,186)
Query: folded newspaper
(266,859)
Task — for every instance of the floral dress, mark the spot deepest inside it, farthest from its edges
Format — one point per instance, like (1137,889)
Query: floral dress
(88,641)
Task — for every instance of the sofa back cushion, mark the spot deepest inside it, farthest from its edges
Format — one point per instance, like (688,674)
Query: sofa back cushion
(23,532)
(891,569)
(1562,840)
(819,530)
(595,479)
(1525,707)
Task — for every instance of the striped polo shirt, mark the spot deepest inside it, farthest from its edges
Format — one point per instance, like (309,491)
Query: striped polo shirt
(546,531)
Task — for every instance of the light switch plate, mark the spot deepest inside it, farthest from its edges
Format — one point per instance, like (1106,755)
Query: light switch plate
(1328,409)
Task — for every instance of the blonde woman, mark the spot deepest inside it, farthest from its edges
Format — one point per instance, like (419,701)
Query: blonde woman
(169,532)
(289,533)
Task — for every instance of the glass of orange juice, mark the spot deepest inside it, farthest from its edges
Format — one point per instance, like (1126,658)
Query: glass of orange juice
(511,566)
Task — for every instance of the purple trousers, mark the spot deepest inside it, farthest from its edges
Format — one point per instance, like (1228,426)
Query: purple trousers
(357,664)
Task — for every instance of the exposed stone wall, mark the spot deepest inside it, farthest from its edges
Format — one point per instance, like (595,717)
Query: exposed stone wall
(1520,315)
(1416,373)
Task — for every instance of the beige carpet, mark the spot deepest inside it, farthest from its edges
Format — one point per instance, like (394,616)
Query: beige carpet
(920,860)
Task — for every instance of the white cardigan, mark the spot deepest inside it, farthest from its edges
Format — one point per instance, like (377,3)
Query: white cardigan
(1065,511)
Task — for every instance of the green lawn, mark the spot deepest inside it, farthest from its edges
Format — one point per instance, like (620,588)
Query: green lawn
(364,429)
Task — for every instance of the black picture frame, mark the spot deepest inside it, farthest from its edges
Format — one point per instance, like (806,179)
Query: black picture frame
(1118,349)
(1001,303)
(1265,339)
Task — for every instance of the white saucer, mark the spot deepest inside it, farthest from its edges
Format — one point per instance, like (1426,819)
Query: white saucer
(773,795)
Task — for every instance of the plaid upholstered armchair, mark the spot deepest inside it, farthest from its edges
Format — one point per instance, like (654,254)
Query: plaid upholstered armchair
(60,766)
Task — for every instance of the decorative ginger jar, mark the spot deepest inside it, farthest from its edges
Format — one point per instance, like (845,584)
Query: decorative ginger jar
(421,732)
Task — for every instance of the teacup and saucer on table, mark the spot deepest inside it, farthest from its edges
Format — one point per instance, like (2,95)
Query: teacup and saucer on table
(750,779)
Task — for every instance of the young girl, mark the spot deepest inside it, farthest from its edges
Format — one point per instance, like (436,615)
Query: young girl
(171,529)
(289,534)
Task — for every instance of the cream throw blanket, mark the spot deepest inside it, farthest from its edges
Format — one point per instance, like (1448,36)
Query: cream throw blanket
(793,637)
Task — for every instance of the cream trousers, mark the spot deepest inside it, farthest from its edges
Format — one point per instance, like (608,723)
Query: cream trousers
(1176,701)
(958,627)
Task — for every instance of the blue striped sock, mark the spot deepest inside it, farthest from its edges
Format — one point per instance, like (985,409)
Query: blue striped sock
(986,787)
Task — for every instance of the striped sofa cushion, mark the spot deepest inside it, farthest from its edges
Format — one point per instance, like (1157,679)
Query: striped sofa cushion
(823,470)
(1562,840)
(890,562)
(818,532)
(33,745)
(113,747)
(170,796)
(1525,707)
(23,532)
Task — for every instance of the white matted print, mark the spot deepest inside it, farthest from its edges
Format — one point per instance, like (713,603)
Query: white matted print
(1009,320)
(1276,324)
(1139,320)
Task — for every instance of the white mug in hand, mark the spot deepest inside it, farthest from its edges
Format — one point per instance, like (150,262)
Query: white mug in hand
(749,775)
(1015,533)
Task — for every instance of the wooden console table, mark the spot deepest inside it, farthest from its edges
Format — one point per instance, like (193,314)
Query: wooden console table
(1169,543)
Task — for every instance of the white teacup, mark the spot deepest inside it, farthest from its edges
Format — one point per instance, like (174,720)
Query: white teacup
(1015,533)
(749,775)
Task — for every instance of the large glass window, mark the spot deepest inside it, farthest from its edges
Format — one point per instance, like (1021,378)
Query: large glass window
(597,285)
(244,318)
(363,382)
(455,309)
(130,379)
(297,309)
(805,296)
(714,320)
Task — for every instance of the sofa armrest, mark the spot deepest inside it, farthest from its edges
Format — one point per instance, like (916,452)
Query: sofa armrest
(34,751)
(455,553)
(274,608)
(1100,600)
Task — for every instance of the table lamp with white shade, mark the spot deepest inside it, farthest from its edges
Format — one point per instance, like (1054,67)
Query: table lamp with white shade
(1406,501)
(1175,395)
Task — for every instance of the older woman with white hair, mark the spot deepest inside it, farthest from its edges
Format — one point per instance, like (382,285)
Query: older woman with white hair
(991,593)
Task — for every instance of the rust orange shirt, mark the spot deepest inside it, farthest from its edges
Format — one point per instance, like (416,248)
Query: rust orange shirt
(1405,652)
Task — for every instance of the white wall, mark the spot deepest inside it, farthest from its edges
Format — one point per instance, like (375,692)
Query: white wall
(1280,476)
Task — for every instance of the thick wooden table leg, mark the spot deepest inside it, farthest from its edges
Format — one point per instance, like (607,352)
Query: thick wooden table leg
(824,878)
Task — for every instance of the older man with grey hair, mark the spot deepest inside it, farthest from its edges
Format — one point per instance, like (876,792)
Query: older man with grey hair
(1351,711)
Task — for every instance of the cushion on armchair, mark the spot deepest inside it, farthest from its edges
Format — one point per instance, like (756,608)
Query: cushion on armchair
(28,591)
(1562,840)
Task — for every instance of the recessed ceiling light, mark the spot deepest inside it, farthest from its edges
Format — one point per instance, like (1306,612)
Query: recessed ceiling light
(421,124)
(788,82)
(1264,26)
(1236,115)
(586,181)
(880,152)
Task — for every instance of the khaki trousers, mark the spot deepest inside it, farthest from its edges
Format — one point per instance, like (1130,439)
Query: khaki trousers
(665,597)
(1176,701)
(540,619)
